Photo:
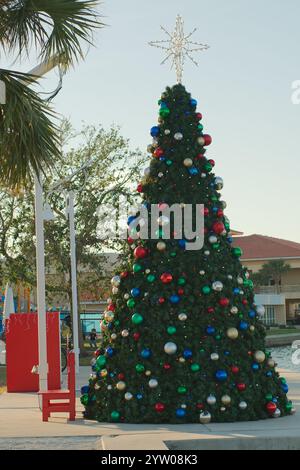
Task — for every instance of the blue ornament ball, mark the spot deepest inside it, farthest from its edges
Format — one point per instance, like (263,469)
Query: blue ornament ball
(130,219)
(84,389)
(236,291)
(251,314)
(135,292)
(193,171)
(221,375)
(146,353)
(139,396)
(182,243)
(243,325)
(154,131)
(285,388)
(210,330)
(174,299)
(109,351)
(187,353)
(269,374)
(255,366)
(180,413)
(229,239)
(193,102)
(226,353)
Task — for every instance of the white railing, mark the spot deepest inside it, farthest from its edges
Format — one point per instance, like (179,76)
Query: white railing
(277,289)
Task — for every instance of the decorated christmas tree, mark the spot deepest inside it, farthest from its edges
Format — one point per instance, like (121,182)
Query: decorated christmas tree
(184,340)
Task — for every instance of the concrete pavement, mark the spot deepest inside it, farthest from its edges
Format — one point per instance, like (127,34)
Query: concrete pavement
(21,427)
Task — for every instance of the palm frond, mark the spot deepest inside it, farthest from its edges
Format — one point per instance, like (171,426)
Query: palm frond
(29,139)
(55,27)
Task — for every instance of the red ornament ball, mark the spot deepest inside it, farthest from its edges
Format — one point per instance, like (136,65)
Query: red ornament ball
(206,211)
(161,300)
(210,310)
(140,252)
(166,278)
(158,152)
(130,240)
(224,302)
(121,376)
(163,205)
(111,307)
(244,301)
(139,188)
(167,366)
(180,291)
(235,369)
(200,406)
(159,407)
(212,162)
(271,407)
(207,139)
(124,274)
(136,336)
(241,387)
(220,213)
(218,227)
(199,116)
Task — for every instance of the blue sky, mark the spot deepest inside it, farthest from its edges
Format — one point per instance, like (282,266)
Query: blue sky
(243,87)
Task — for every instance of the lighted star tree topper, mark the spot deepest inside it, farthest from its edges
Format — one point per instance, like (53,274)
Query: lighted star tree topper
(178,47)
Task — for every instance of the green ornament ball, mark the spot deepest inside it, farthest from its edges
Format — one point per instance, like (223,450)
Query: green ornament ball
(218,337)
(182,390)
(84,399)
(181,281)
(136,268)
(140,368)
(169,162)
(206,290)
(130,303)
(171,330)
(269,397)
(216,246)
(207,167)
(150,278)
(173,254)
(101,361)
(164,112)
(237,252)
(137,319)
(200,127)
(289,406)
(115,415)
(195,367)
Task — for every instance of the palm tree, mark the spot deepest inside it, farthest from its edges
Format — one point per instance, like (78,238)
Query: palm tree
(273,270)
(29,138)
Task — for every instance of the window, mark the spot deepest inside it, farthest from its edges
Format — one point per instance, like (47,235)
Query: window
(269,316)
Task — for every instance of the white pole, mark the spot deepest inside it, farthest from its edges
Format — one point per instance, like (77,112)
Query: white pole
(74,280)
(40,273)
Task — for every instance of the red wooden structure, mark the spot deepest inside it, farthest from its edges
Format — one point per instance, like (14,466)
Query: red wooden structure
(68,395)
(22,351)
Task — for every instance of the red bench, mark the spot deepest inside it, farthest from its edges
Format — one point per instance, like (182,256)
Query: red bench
(66,406)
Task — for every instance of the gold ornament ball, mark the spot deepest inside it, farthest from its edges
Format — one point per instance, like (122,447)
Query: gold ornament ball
(113,336)
(226,400)
(161,246)
(259,356)
(188,162)
(232,333)
(103,373)
(252,328)
(128,396)
(181,359)
(271,363)
(148,372)
(121,385)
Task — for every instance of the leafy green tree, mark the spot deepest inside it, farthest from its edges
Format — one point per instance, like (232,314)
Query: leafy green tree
(271,271)
(56,31)
(183,338)
(103,182)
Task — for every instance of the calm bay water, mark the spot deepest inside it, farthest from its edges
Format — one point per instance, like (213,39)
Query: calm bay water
(283,356)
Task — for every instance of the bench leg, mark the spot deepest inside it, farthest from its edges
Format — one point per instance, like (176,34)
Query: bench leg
(45,408)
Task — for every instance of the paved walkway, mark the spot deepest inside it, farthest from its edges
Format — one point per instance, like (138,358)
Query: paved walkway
(21,427)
